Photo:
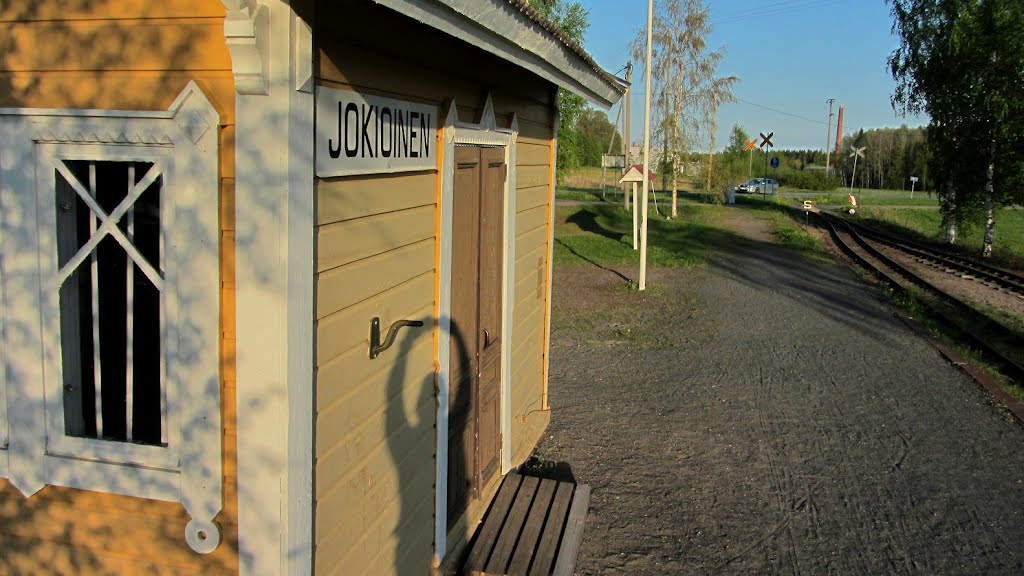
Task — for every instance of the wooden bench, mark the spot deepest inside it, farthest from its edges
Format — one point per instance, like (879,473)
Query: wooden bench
(534,527)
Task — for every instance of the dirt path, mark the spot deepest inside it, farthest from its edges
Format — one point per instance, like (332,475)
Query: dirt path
(767,414)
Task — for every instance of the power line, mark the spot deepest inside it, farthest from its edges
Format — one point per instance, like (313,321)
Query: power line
(781,112)
(776,110)
(774,10)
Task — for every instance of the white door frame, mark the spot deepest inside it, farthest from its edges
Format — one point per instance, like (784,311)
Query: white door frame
(483,133)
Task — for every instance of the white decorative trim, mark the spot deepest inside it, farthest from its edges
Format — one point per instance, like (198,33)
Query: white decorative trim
(462,133)
(3,353)
(246,29)
(508,310)
(202,536)
(444,327)
(188,468)
(274,191)
(301,275)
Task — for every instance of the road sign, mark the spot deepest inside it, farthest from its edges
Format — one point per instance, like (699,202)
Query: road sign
(767,139)
(913,178)
(751,144)
(858,152)
(775,161)
(807,205)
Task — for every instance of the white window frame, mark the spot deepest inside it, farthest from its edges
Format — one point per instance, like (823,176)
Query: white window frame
(183,143)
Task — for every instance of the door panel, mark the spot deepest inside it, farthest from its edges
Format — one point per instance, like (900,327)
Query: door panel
(464,328)
(491,266)
(474,428)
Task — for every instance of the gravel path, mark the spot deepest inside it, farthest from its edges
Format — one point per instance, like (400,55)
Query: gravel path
(768,414)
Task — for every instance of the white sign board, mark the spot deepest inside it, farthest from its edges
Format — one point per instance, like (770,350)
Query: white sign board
(913,178)
(364,134)
(613,160)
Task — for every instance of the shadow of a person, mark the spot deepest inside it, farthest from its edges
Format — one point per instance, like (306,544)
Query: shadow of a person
(413,550)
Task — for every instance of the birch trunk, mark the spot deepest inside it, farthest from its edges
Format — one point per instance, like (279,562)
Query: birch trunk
(711,149)
(950,217)
(990,205)
(677,103)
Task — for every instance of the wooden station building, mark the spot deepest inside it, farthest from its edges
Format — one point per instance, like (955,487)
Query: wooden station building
(207,208)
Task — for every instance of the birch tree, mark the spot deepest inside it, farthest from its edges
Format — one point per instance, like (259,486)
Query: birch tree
(682,69)
(959,61)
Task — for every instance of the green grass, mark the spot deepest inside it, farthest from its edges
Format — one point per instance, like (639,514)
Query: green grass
(865,198)
(926,226)
(602,235)
(582,194)
(787,224)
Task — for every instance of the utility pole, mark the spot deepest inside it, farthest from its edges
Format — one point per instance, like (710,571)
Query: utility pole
(625,124)
(647,151)
(828,135)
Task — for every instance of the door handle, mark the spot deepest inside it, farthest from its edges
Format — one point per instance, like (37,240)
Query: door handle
(376,347)
(487,338)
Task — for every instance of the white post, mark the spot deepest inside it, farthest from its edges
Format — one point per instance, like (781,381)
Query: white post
(635,225)
(854,177)
(647,150)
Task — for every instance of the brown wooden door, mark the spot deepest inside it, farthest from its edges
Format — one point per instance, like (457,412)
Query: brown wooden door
(474,423)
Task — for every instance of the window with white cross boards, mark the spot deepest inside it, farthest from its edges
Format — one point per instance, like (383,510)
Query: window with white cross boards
(109,304)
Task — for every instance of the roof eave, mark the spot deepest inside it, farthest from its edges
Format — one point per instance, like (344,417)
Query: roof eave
(504,30)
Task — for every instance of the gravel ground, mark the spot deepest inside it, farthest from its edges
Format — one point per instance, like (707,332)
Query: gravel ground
(768,414)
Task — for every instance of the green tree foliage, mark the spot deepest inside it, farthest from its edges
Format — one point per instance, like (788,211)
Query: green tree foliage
(572,19)
(737,140)
(959,61)
(891,157)
(595,132)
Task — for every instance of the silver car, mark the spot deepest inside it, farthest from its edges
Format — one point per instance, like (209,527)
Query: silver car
(758,186)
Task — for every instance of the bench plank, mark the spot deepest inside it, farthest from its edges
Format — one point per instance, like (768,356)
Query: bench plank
(545,556)
(492,524)
(570,548)
(532,531)
(502,554)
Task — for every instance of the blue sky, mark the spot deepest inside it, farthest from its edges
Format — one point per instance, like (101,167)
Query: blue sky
(789,55)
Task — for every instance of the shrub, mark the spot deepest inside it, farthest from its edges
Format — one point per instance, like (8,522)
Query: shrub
(806,179)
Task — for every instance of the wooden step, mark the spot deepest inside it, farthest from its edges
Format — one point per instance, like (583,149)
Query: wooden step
(534,528)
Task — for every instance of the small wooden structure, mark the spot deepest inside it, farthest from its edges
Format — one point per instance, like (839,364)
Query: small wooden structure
(534,526)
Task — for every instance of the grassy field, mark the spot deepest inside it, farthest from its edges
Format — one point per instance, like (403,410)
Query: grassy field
(602,235)
(865,198)
(926,225)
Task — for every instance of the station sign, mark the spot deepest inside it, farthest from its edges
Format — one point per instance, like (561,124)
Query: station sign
(365,134)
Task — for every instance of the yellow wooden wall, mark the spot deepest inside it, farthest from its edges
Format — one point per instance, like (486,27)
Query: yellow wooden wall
(377,251)
(122,54)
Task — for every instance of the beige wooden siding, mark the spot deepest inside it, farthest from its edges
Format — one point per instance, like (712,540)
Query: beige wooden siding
(376,251)
(122,55)
(374,466)
(533,194)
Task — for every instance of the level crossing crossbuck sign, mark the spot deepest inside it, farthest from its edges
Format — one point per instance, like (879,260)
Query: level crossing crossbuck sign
(767,139)
(751,144)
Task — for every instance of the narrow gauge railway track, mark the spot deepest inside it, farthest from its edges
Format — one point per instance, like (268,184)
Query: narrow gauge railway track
(960,266)
(998,343)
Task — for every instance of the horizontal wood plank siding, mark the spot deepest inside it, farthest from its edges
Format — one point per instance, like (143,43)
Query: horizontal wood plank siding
(376,256)
(345,242)
(351,197)
(123,55)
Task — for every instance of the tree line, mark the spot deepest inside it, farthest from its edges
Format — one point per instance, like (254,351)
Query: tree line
(959,61)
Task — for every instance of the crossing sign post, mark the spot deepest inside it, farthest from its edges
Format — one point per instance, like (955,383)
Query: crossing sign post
(913,181)
(766,141)
(856,153)
(750,145)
